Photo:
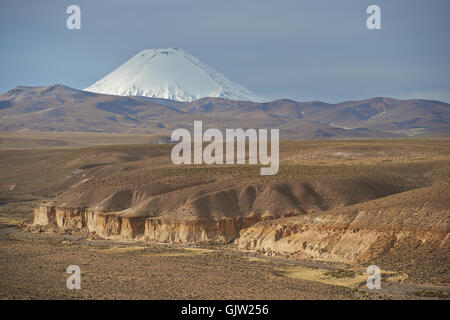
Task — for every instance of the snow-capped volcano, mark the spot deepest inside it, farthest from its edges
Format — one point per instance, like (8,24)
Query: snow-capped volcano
(170,74)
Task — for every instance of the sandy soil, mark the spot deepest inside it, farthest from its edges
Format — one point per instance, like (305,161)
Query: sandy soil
(345,173)
(33,266)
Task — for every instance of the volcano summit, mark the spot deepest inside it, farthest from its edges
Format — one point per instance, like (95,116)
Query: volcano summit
(170,74)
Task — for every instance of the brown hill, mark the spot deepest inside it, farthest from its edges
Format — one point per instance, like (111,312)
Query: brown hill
(60,108)
(408,230)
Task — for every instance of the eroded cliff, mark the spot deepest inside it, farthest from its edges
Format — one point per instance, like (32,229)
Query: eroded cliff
(361,233)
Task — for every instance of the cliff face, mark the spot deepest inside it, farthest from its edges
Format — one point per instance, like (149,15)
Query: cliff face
(112,226)
(351,244)
(225,229)
(194,215)
(70,218)
(44,215)
(360,233)
(416,220)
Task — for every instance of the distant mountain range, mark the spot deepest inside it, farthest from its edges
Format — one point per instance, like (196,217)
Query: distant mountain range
(60,108)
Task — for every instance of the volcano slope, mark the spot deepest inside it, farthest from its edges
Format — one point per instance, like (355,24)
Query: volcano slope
(383,202)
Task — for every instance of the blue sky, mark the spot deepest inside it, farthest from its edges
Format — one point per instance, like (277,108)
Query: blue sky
(302,50)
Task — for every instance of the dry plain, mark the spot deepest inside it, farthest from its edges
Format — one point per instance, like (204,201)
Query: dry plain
(222,232)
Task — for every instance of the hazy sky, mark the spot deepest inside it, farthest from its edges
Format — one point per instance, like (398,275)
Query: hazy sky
(302,50)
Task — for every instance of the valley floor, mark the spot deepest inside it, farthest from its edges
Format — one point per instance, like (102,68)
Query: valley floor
(33,266)
(356,203)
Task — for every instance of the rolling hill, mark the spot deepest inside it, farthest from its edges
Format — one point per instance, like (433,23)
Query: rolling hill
(60,108)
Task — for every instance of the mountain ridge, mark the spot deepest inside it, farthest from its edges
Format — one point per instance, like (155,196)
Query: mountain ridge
(61,108)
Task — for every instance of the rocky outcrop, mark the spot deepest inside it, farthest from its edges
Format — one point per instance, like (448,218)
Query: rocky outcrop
(105,225)
(70,218)
(194,215)
(356,233)
(65,218)
(44,215)
(359,233)
(110,226)
(349,245)
(113,225)
(223,230)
